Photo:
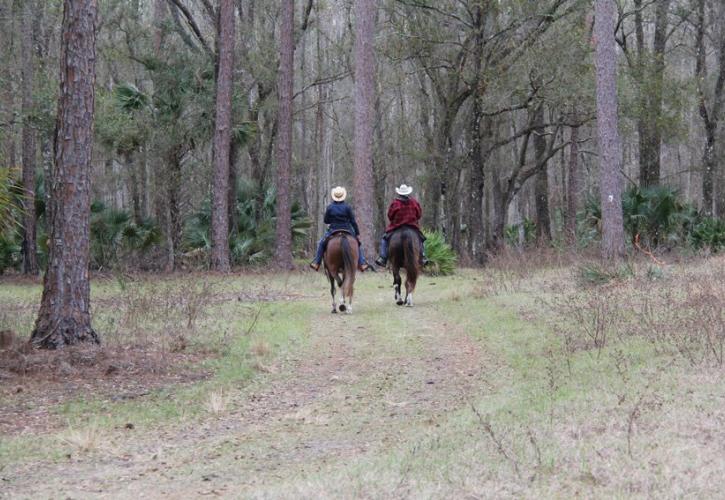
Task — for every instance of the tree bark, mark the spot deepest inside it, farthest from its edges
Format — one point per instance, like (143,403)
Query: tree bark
(364,109)
(159,15)
(573,185)
(29,247)
(220,260)
(541,188)
(476,236)
(131,167)
(650,76)
(6,73)
(64,316)
(710,115)
(610,146)
(285,79)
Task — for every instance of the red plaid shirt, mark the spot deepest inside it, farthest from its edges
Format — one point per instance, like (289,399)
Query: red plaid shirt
(404,213)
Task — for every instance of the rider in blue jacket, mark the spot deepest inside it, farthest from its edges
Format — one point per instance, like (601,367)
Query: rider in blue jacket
(339,216)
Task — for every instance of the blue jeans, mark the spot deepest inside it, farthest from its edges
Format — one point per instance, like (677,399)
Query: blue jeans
(321,249)
(384,247)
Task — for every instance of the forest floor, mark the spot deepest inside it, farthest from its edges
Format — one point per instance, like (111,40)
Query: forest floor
(499,382)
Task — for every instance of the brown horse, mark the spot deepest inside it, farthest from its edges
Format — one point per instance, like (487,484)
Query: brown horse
(404,253)
(340,265)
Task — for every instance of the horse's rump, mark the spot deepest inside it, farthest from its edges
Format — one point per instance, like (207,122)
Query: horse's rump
(340,259)
(404,249)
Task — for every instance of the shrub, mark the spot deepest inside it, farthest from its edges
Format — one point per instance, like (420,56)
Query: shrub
(708,233)
(114,235)
(527,228)
(597,274)
(442,258)
(10,257)
(252,239)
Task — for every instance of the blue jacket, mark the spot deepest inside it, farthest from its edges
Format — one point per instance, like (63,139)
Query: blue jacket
(339,215)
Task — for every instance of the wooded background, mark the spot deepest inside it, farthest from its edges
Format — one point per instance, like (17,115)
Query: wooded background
(486,107)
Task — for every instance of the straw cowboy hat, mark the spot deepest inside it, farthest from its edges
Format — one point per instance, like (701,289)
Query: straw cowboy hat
(403,190)
(339,193)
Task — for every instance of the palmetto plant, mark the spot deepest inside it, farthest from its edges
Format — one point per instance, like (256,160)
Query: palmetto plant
(114,233)
(252,239)
(442,259)
(657,215)
(10,211)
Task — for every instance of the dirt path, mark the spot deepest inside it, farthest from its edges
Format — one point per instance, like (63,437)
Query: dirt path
(359,389)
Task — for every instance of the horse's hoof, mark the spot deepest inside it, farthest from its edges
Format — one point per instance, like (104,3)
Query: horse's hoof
(408,305)
(400,302)
(334,311)
(343,308)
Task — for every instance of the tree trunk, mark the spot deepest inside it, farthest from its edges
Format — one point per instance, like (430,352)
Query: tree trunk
(173,209)
(7,29)
(476,237)
(131,167)
(651,80)
(285,79)
(159,15)
(610,147)
(541,188)
(573,186)
(222,136)
(29,250)
(64,316)
(233,185)
(364,109)
(710,115)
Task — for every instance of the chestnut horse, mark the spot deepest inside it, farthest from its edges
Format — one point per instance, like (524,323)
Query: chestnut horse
(340,260)
(404,253)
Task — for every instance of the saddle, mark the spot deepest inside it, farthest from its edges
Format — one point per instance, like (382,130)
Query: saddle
(420,233)
(335,233)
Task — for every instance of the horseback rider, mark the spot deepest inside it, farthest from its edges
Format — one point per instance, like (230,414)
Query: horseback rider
(403,211)
(340,217)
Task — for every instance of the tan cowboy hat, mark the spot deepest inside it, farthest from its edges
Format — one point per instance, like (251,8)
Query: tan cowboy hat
(403,190)
(339,193)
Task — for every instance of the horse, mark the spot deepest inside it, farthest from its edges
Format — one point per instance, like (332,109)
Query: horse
(404,252)
(340,260)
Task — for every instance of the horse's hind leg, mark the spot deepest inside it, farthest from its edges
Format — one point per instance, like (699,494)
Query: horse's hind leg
(396,285)
(343,305)
(409,287)
(347,290)
(332,292)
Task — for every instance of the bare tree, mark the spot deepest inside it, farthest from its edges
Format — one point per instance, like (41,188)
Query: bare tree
(222,136)
(610,146)
(364,116)
(30,260)
(710,114)
(574,184)
(64,316)
(285,78)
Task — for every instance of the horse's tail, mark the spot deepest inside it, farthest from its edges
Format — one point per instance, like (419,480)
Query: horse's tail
(347,258)
(410,255)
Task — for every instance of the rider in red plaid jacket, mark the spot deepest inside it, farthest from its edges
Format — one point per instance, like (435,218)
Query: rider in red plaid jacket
(403,211)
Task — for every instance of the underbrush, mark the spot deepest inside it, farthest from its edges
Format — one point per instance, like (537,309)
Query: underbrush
(160,336)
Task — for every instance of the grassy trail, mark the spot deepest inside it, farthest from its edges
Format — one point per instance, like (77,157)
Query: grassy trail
(459,396)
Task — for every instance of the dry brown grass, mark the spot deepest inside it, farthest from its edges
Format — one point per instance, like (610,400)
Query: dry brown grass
(217,402)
